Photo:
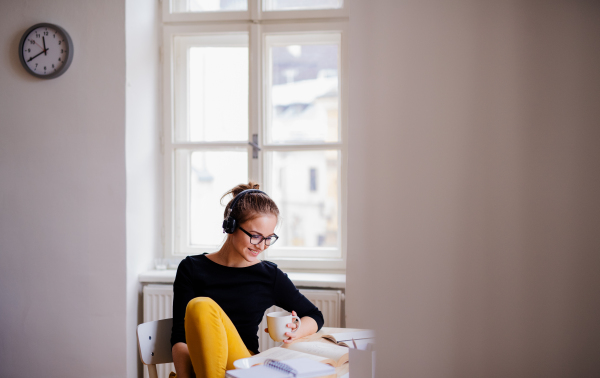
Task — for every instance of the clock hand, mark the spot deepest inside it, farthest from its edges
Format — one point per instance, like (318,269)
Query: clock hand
(35,56)
(44,41)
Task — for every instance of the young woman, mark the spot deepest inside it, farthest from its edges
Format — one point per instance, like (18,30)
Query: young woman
(220,298)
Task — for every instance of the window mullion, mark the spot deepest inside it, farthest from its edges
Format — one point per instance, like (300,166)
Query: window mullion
(208,145)
(303,147)
(255,101)
(254,9)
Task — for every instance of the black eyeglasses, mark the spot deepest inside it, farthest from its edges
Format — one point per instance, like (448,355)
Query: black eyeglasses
(257,239)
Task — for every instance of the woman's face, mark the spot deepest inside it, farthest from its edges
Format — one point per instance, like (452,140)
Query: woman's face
(263,225)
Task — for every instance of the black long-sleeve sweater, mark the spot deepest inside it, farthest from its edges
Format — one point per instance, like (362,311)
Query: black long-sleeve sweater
(243,293)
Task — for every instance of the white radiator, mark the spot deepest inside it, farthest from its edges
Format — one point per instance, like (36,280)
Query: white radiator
(158,304)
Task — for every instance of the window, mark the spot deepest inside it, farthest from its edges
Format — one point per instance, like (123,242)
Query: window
(256,91)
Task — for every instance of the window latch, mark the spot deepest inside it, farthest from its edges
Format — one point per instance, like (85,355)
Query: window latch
(254,145)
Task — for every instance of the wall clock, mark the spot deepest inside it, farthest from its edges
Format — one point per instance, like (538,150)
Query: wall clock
(46,50)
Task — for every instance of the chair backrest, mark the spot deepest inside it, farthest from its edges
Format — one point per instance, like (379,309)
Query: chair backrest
(154,341)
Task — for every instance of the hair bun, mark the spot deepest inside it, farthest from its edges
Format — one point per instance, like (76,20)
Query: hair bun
(240,188)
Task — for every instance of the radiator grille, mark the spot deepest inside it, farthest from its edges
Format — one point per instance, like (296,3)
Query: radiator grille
(158,304)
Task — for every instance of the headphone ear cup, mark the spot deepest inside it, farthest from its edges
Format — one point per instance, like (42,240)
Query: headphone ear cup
(229,225)
(232,226)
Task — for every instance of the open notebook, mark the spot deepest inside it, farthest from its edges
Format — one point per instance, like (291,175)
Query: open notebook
(295,368)
(352,339)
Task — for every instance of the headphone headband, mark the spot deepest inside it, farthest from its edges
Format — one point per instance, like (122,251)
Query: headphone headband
(229,223)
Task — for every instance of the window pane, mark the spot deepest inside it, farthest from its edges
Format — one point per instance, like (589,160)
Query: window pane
(304,98)
(182,6)
(218,93)
(212,173)
(211,88)
(271,5)
(304,185)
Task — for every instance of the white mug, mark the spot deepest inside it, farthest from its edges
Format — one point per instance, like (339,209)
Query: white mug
(277,324)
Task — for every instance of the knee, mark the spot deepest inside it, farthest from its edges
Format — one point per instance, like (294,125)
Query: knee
(200,306)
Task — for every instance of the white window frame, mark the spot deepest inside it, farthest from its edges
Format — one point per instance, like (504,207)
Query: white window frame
(255,12)
(250,22)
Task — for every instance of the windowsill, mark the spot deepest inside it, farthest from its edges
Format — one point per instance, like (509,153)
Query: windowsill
(322,280)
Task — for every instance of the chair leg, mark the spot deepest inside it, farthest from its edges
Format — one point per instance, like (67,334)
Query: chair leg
(152,371)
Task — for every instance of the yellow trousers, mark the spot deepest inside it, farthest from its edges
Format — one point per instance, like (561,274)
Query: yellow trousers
(212,339)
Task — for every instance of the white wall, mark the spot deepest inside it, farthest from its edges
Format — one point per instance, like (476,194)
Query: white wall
(62,197)
(474,174)
(144,185)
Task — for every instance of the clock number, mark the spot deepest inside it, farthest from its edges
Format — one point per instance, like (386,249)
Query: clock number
(53,35)
(28,50)
(32,41)
(36,65)
(58,42)
(59,59)
(52,65)
(45,33)
(44,68)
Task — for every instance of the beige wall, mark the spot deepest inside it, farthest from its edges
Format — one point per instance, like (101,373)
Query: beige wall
(474,186)
(62,197)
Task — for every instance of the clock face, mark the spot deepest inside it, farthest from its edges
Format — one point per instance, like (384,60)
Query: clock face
(46,50)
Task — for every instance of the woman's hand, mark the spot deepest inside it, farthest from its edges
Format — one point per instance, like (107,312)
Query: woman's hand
(309,326)
(293,333)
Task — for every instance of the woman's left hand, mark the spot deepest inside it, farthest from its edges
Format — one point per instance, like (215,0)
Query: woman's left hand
(292,336)
(292,326)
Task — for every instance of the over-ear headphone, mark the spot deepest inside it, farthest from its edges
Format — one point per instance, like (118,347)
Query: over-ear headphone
(229,223)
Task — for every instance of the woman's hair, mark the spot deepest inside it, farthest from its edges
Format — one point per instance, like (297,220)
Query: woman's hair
(251,205)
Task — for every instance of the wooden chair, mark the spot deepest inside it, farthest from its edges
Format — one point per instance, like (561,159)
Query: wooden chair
(154,343)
